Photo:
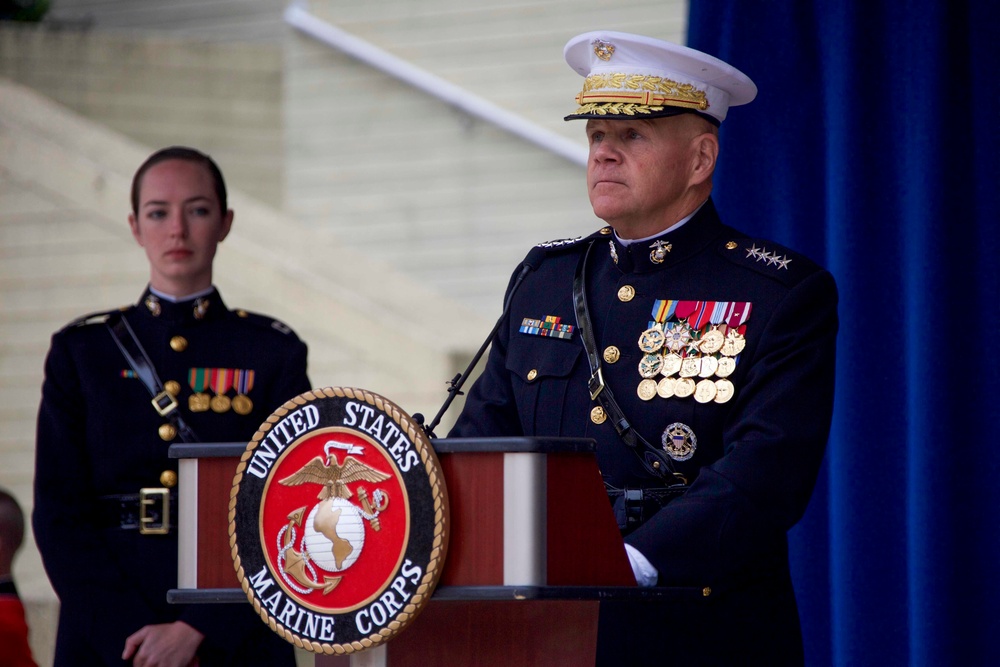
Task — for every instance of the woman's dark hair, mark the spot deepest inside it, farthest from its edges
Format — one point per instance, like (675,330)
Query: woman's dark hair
(179,153)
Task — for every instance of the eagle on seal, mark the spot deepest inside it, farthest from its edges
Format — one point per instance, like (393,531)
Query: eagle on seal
(333,475)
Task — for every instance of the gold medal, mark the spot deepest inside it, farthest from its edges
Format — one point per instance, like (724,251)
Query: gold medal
(652,339)
(726,367)
(712,341)
(650,365)
(734,343)
(198,402)
(647,389)
(242,405)
(708,367)
(220,403)
(220,381)
(705,391)
(690,367)
(684,387)
(665,387)
(724,390)
(671,364)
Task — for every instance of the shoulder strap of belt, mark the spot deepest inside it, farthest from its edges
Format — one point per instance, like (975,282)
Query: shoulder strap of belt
(163,402)
(653,459)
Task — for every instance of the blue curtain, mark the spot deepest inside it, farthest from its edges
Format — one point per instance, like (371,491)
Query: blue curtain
(873,147)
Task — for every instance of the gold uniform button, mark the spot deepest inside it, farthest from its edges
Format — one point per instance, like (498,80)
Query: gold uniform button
(612,354)
(597,415)
(242,313)
(731,245)
(172,387)
(167,432)
(626,293)
(168,478)
(706,591)
(532,374)
(178,343)
(605,230)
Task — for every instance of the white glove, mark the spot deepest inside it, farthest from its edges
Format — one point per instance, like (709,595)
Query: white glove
(645,573)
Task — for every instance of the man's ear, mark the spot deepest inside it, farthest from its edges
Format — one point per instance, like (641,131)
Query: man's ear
(706,152)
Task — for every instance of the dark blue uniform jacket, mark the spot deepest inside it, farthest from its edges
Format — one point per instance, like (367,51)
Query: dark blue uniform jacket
(98,435)
(756,456)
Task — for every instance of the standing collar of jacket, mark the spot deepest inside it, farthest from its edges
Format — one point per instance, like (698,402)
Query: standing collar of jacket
(667,249)
(202,309)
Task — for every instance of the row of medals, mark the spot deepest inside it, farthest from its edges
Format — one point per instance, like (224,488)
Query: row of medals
(202,402)
(713,354)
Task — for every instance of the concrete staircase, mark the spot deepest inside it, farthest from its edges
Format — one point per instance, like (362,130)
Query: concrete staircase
(65,250)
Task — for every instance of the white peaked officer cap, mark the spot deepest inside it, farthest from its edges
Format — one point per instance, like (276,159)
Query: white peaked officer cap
(630,76)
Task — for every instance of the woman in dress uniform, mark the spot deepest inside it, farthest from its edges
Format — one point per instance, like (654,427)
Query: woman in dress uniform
(213,374)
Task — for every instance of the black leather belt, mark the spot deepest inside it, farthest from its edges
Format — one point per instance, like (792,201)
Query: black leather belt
(152,511)
(634,506)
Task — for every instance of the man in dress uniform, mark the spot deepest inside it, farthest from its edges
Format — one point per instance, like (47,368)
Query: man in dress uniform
(700,360)
(120,388)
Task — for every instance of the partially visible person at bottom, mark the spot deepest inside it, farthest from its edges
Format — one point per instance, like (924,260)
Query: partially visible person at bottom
(700,359)
(104,484)
(14,648)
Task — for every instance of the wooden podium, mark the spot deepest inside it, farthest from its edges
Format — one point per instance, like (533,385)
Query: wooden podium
(533,548)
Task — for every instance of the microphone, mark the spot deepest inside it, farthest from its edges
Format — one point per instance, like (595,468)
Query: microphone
(535,257)
(530,263)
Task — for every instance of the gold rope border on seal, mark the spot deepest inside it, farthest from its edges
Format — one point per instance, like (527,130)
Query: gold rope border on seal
(619,85)
(439,548)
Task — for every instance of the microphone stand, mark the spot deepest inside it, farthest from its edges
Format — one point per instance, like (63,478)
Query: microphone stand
(455,384)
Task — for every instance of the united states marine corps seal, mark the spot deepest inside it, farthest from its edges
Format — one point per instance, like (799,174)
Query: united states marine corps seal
(338,520)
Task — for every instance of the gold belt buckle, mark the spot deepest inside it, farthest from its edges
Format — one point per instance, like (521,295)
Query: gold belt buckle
(157,496)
